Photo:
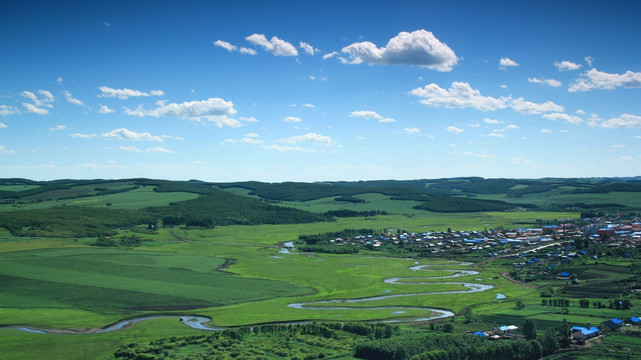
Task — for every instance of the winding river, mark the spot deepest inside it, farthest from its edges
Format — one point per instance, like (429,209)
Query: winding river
(198,322)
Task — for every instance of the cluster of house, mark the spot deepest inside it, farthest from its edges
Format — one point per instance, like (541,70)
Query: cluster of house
(578,332)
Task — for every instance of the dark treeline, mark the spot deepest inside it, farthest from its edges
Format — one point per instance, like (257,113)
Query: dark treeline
(453,204)
(329,249)
(223,208)
(350,199)
(352,213)
(325,237)
(431,346)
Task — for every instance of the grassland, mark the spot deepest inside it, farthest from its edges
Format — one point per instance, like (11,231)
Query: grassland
(66,283)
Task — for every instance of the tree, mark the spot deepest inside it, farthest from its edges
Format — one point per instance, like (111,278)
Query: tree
(519,305)
(565,335)
(548,342)
(529,329)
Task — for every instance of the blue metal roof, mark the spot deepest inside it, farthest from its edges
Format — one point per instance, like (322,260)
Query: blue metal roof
(586,331)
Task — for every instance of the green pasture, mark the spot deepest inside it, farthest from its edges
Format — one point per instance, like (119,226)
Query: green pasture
(110,281)
(133,199)
(561,197)
(17,187)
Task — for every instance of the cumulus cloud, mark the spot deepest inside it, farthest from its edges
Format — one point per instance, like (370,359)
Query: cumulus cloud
(126,134)
(129,148)
(6,110)
(314,78)
(562,116)
(38,105)
(495,134)
(309,138)
(419,48)
(310,50)
(528,107)
(588,59)
(454,130)
(159,150)
(72,100)
(625,120)
(595,79)
(124,94)
(546,131)
(459,95)
(370,115)
(505,62)
(330,55)
(292,119)
(215,110)
(232,48)
(550,82)
(412,130)
(287,148)
(58,128)
(249,138)
(275,45)
(566,65)
(3,126)
(311,106)
(104,109)
(249,119)
(511,126)
(491,121)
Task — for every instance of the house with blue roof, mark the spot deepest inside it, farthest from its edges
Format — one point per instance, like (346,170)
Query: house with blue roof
(480,333)
(564,275)
(584,333)
(635,320)
(613,323)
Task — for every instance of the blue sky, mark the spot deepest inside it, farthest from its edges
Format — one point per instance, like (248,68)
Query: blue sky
(319,90)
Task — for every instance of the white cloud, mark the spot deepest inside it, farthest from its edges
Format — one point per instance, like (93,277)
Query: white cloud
(158,150)
(420,48)
(287,148)
(311,106)
(249,119)
(124,94)
(250,138)
(454,130)
(370,115)
(330,55)
(225,45)
(508,62)
(314,78)
(625,120)
(459,95)
(624,158)
(3,126)
(126,134)
(129,148)
(412,130)
(6,110)
(567,65)
(588,59)
(527,107)
(72,100)
(83,136)
(58,128)
(104,109)
(512,126)
(231,48)
(491,121)
(275,45)
(546,131)
(550,82)
(309,138)
(39,104)
(308,48)
(562,116)
(59,80)
(215,110)
(495,134)
(4,150)
(619,146)
(595,79)
(292,119)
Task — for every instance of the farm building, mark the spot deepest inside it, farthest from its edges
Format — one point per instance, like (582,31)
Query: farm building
(583,333)
(613,323)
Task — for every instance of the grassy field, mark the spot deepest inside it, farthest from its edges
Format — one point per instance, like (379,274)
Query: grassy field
(133,199)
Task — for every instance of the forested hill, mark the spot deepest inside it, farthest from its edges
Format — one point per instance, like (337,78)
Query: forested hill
(54,208)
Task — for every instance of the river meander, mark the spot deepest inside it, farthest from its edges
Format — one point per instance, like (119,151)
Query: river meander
(198,322)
